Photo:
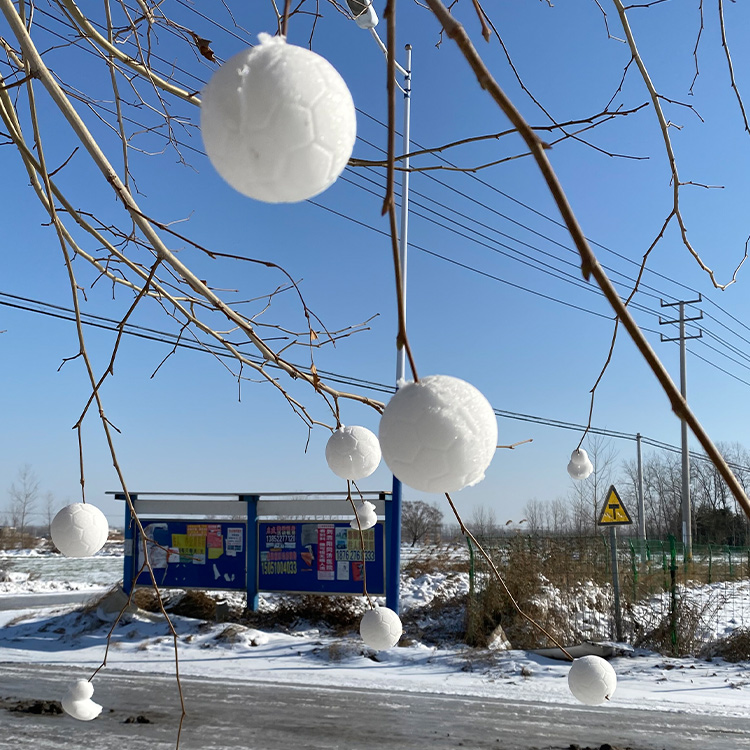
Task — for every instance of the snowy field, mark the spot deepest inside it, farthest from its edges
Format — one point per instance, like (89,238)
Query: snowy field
(70,635)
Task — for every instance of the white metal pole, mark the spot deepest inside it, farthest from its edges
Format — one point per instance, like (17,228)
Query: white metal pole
(394,579)
(404,238)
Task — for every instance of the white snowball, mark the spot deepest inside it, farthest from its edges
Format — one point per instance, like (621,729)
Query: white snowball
(592,680)
(278,122)
(77,703)
(438,434)
(579,456)
(367,515)
(82,690)
(580,466)
(380,628)
(353,452)
(79,530)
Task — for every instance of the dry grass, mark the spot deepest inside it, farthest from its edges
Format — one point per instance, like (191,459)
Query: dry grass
(734,648)
(339,613)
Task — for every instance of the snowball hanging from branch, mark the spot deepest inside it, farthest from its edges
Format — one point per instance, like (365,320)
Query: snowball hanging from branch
(438,434)
(278,122)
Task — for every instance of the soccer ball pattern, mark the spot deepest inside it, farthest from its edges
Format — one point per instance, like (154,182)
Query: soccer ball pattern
(380,628)
(353,452)
(592,680)
(79,530)
(78,704)
(438,434)
(278,122)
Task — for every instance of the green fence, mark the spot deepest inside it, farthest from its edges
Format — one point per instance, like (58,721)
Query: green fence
(667,601)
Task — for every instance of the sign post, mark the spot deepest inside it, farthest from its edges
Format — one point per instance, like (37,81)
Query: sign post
(615,514)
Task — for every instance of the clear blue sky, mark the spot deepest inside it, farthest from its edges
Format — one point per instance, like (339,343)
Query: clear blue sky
(185,429)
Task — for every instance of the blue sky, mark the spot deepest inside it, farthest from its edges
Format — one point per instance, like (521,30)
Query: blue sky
(186,430)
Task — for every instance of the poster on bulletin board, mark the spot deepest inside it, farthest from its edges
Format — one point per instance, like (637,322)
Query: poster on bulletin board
(320,558)
(208,555)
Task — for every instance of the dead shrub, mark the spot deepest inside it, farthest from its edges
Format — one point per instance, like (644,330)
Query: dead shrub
(340,613)
(735,647)
(146,599)
(195,604)
(435,559)
(680,631)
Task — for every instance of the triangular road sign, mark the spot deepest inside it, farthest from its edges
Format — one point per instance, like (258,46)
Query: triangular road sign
(614,512)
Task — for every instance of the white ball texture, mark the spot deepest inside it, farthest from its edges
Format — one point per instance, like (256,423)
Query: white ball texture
(438,434)
(592,680)
(580,467)
(366,514)
(579,456)
(79,530)
(81,690)
(79,707)
(380,628)
(353,452)
(278,122)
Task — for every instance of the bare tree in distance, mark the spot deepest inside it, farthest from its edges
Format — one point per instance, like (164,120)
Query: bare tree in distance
(483,522)
(420,521)
(51,506)
(24,495)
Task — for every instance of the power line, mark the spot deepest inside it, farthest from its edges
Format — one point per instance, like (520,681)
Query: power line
(531,262)
(56,311)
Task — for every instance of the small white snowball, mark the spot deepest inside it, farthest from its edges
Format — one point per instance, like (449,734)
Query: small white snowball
(580,467)
(366,514)
(380,628)
(353,452)
(579,456)
(438,434)
(76,702)
(82,690)
(592,680)
(278,122)
(79,530)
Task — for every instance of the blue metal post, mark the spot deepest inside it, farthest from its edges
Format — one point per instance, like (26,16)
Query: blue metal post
(251,534)
(128,565)
(393,548)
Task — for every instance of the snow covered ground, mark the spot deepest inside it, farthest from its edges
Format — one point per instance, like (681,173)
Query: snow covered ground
(68,634)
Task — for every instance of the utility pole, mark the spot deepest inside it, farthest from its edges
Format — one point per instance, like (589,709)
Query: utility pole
(641,499)
(687,525)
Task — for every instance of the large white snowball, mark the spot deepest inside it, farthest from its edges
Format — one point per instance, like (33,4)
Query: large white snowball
(380,628)
(367,515)
(438,434)
(79,530)
(77,703)
(353,452)
(592,680)
(278,122)
(580,467)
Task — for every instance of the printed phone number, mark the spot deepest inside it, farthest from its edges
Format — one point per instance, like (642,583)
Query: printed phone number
(354,555)
(279,567)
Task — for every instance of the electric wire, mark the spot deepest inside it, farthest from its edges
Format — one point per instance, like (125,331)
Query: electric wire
(531,262)
(47,309)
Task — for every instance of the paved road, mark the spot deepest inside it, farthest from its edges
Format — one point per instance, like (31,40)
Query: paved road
(248,715)
(45,599)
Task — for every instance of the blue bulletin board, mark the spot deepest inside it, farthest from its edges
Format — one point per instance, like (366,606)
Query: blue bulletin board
(184,554)
(319,557)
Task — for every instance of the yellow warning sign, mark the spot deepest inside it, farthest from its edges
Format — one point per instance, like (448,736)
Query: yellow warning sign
(614,512)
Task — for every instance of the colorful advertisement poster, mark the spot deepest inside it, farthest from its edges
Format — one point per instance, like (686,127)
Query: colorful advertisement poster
(320,557)
(326,548)
(182,552)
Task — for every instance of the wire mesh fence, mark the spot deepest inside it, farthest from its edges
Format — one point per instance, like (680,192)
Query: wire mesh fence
(668,601)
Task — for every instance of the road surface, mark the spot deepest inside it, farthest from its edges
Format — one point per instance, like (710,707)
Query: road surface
(246,715)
